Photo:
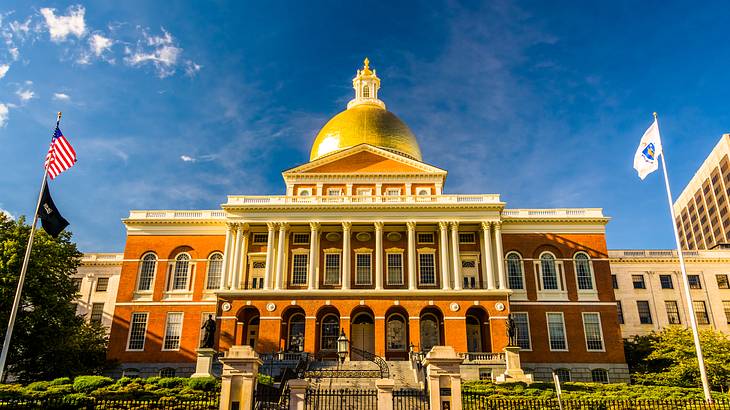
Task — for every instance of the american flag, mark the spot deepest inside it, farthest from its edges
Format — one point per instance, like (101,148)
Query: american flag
(61,155)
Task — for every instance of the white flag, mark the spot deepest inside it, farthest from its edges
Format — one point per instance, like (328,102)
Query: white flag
(646,159)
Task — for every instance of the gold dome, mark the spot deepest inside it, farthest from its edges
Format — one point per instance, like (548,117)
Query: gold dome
(365,124)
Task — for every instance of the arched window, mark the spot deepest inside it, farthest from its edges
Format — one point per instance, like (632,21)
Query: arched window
(599,375)
(329,332)
(396,332)
(549,271)
(563,375)
(366,91)
(514,271)
(180,272)
(296,333)
(429,331)
(215,268)
(147,272)
(583,271)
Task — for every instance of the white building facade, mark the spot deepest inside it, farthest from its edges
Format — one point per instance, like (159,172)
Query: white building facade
(97,281)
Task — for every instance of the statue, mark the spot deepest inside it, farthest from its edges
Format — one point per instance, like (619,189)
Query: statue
(209,335)
(511,331)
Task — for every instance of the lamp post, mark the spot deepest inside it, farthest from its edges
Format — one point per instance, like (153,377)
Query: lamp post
(342,346)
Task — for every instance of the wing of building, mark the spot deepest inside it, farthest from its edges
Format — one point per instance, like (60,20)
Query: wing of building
(365,240)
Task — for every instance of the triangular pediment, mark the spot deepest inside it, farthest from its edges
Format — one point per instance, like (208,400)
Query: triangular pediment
(365,159)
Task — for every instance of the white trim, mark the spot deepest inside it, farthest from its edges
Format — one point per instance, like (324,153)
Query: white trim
(454,317)
(591,293)
(565,333)
(564,303)
(166,303)
(394,251)
(297,252)
(139,273)
(426,251)
(529,331)
(129,332)
(164,336)
(369,253)
(207,271)
(600,331)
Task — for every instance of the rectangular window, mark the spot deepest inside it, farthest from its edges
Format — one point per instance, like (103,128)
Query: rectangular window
(392,192)
(260,238)
(620,311)
(694,281)
(522,324)
(363,269)
(672,312)
(258,267)
(556,331)
(427,268)
(102,284)
(395,268)
(300,262)
(614,281)
(666,281)
(726,307)
(173,331)
(644,312)
(425,237)
(467,237)
(638,281)
(701,312)
(722,282)
(77,283)
(514,272)
(332,268)
(300,238)
(334,192)
(97,312)
(593,333)
(137,331)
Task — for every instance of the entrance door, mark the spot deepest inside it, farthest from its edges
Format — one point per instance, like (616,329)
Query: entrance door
(252,333)
(362,335)
(473,335)
(256,275)
(469,273)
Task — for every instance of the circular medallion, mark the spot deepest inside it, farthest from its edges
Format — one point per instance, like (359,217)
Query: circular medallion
(454,307)
(499,306)
(271,306)
(332,236)
(363,236)
(226,306)
(393,236)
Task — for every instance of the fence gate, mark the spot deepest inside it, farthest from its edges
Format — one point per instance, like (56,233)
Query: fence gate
(410,399)
(341,399)
(270,398)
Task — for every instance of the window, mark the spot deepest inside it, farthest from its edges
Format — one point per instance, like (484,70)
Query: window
(425,237)
(102,284)
(638,281)
(396,337)
(666,281)
(726,307)
(332,268)
(426,269)
(722,282)
(694,281)
(485,373)
(173,330)
(467,237)
(258,269)
(299,269)
(97,312)
(614,281)
(620,311)
(556,331)
(644,312)
(304,192)
(583,271)
(672,312)
(137,331)
(392,192)
(514,271)
(522,324)
(563,375)
(430,331)
(130,372)
(215,268)
(364,192)
(297,325)
(147,272)
(549,272)
(395,268)
(469,272)
(334,192)
(701,312)
(260,238)
(330,332)
(167,372)
(77,283)
(599,376)
(593,332)
(363,268)
(300,238)
(366,91)
(180,272)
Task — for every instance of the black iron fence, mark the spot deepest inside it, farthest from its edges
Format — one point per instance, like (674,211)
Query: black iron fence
(208,403)
(341,399)
(481,401)
(410,399)
(270,398)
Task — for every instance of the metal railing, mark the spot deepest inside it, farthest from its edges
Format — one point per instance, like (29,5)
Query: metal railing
(209,403)
(365,355)
(350,399)
(484,401)
(410,399)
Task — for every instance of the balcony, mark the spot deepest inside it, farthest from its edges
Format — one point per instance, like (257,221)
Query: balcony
(482,358)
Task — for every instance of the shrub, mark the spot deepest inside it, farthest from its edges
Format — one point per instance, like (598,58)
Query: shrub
(10,391)
(60,381)
(202,383)
(169,382)
(264,379)
(37,386)
(87,384)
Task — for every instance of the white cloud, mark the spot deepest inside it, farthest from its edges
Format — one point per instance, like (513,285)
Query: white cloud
(61,27)
(192,68)
(202,158)
(25,95)
(14,53)
(61,97)
(3,114)
(7,213)
(4,70)
(187,158)
(161,51)
(99,44)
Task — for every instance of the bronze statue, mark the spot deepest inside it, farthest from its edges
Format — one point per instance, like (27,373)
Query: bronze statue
(209,335)
(511,331)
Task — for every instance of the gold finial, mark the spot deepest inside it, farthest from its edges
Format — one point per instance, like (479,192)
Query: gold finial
(655,115)
(367,63)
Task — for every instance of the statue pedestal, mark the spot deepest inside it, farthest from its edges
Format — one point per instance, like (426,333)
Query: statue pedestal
(514,372)
(204,366)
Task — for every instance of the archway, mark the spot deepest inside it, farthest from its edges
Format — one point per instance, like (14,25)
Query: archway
(328,330)
(397,337)
(362,333)
(293,326)
(248,319)
(478,338)
(431,328)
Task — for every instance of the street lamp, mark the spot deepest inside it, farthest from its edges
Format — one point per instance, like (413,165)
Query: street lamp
(342,346)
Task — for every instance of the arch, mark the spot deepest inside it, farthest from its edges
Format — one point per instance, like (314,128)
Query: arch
(515,270)
(293,329)
(395,335)
(247,333)
(583,271)
(478,333)
(327,331)
(549,271)
(180,272)
(362,332)
(547,248)
(431,327)
(563,375)
(180,249)
(366,91)
(147,270)
(214,270)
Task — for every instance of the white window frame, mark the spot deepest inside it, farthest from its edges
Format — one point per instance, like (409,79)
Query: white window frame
(131,327)
(300,253)
(529,331)
(101,314)
(154,273)
(167,324)
(369,253)
(427,251)
(252,260)
(600,332)
(255,242)
(207,271)
(395,251)
(404,320)
(304,191)
(565,333)
(334,191)
(523,289)
(171,275)
(337,252)
(608,375)
(294,238)
(591,272)
(550,294)
(470,257)
(363,195)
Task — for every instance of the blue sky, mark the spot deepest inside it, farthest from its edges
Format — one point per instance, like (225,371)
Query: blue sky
(174,105)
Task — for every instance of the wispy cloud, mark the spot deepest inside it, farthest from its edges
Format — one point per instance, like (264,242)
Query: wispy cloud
(62,26)
(4,70)
(192,68)
(161,51)
(61,97)
(201,158)
(25,94)
(99,44)
(4,112)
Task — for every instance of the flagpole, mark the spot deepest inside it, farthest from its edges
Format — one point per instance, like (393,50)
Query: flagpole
(685,282)
(23,271)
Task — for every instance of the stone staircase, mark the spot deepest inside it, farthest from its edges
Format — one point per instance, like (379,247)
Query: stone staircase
(400,371)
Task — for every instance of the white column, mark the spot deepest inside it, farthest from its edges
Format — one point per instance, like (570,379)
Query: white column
(227,252)
(500,255)
(456,261)
(281,256)
(242,258)
(444,254)
(411,255)
(313,255)
(236,265)
(379,255)
(409,192)
(487,258)
(269,254)
(346,227)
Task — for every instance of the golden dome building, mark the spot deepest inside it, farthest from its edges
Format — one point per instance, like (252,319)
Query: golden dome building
(365,241)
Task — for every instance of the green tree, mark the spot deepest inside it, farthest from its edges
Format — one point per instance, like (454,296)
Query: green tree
(49,340)
(673,360)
